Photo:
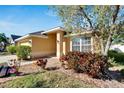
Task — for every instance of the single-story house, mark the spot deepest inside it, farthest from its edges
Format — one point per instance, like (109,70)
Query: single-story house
(57,42)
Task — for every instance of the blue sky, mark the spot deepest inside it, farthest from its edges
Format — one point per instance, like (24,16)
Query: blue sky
(21,20)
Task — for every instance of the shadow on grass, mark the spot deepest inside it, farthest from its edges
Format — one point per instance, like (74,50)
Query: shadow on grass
(117,75)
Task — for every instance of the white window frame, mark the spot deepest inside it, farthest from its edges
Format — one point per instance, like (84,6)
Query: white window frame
(81,44)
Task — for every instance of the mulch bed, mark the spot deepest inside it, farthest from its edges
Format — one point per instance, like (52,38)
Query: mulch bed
(32,68)
(97,82)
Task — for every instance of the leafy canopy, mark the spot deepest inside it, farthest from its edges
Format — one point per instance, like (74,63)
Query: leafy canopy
(97,18)
(107,21)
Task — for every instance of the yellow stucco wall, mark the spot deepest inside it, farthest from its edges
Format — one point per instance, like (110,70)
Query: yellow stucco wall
(66,45)
(59,43)
(55,44)
(44,46)
(27,42)
(96,45)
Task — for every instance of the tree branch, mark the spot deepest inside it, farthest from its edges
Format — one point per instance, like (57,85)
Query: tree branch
(116,13)
(86,16)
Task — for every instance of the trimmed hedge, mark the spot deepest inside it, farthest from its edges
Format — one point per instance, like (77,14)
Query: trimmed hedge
(11,49)
(93,64)
(118,57)
(23,52)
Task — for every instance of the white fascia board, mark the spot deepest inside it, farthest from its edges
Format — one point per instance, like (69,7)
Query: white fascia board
(23,37)
(52,30)
(26,36)
(76,34)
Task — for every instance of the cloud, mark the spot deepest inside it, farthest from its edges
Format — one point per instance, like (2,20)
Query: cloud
(7,25)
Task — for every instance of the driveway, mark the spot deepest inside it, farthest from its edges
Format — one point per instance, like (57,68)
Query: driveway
(4,59)
(52,61)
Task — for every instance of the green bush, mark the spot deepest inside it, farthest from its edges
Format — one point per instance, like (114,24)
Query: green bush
(11,49)
(23,52)
(92,64)
(112,62)
(118,57)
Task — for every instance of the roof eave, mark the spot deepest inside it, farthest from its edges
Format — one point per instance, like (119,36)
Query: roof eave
(53,30)
(27,36)
(78,34)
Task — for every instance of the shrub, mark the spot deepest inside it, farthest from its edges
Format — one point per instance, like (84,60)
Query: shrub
(23,52)
(92,64)
(42,63)
(11,49)
(118,57)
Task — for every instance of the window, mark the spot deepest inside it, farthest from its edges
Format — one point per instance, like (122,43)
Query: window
(82,44)
(85,44)
(76,44)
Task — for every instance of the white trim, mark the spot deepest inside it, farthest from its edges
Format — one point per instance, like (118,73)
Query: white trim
(71,45)
(76,34)
(53,30)
(80,40)
(23,37)
(92,49)
(26,36)
(80,44)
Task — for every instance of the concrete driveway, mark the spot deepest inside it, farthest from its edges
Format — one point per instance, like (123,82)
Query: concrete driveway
(4,59)
(52,61)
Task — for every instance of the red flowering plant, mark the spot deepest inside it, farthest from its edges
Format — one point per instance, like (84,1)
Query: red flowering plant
(68,61)
(41,62)
(94,65)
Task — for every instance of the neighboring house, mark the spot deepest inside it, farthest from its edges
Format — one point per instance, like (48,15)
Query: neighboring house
(117,47)
(56,42)
(13,38)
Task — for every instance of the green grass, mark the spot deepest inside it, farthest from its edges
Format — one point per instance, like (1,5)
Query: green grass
(118,57)
(46,80)
(51,79)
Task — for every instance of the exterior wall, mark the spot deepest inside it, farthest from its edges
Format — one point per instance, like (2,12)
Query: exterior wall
(26,42)
(55,44)
(44,46)
(66,45)
(59,43)
(96,45)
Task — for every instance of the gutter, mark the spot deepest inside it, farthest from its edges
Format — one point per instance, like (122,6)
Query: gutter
(27,36)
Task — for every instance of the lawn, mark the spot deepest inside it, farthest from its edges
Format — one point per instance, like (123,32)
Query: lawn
(46,79)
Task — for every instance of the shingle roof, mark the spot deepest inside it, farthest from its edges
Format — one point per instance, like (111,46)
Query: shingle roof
(15,37)
(36,33)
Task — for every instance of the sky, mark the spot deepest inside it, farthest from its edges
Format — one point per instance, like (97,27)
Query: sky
(21,20)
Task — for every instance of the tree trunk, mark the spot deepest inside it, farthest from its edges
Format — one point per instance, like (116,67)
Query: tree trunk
(102,46)
(108,44)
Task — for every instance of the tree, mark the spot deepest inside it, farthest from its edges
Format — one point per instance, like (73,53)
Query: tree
(106,22)
(3,41)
